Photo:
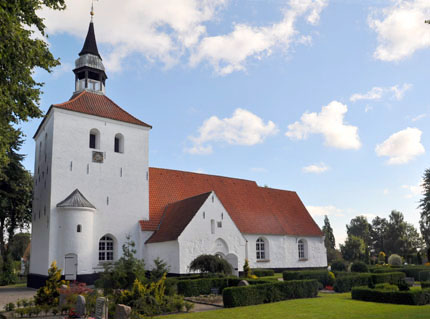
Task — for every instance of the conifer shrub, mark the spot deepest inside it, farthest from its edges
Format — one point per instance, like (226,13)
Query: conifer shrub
(269,292)
(261,272)
(395,260)
(48,294)
(246,269)
(338,265)
(359,266)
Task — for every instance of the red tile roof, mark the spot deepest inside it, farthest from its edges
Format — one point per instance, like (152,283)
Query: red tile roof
(99,105)
(176,217)
(254,209)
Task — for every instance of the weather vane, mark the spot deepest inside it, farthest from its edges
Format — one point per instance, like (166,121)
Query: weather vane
(92,9)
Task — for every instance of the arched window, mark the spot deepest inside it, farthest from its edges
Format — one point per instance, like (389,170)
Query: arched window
(119,143)
(261,249)
(301,245)
(94,138)
(79,228)
(106,248)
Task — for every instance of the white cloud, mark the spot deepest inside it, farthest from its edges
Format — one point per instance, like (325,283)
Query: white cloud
(169,31)
(376,93)
(414,190)
(229,52)
(386,191)
(419,117)
(402,147)
(243,128)
(400,29)
(330,123)
(315,168)
(324,210)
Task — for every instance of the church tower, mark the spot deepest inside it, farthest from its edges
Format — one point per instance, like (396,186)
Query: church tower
(90,177)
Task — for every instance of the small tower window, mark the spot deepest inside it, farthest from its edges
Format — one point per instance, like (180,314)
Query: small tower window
(94,139)
(119,143)
(79,228)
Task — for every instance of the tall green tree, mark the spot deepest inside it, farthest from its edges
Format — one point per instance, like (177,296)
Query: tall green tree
(329,241)
(395,235)
(16,189)
(20,54)
(425,208)
(360,227)
(377,234)
(353,249)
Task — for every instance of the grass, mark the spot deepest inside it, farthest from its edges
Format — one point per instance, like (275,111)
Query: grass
(333,306)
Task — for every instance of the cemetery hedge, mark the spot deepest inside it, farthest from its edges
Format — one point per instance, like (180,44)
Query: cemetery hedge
(392,277)
(320,275)
(269,292)
(425,284)
(345,283)
(412,297)
(261,272)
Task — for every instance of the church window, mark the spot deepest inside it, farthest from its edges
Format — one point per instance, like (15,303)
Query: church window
(261,249)
(120,172)
(219,224)
(301,245)
(44,211)
(119,143)
(106,248)
(79,228)
(222,215)
(212,226)
(88,169)
(71,165)
(107,200)
(204,215)
(94,139)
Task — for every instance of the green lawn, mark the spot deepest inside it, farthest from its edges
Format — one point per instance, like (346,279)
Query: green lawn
(330,306)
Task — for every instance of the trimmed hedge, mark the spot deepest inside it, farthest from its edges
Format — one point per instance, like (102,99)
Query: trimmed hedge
(414,271)
(391,277)
(270,292)
(203,286)
(345,283)
(412,297)
(321,275)
(425,284)
(384,270)
(424,275)
(261,272)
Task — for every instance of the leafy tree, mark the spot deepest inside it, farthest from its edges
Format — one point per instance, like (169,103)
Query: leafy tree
(122,273)
(20,54)
(425,208)
(16,188)
(395,236)
(359,227)
(353,249)
(210,264)
(377,234)
(19,244)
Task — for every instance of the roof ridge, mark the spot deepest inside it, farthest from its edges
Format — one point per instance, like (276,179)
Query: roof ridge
(196,173)
(71,100)
(124,110)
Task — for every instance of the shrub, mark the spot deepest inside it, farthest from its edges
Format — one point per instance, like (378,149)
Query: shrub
(386,287)
(259,272)
(381,258)
(395,260)
(359,266)
(424,275)
(188,306)
(48,294)
(269,292)
(391,277)
(246,269)
(9,306)
(413,297)
(403,285)
(413,271)
(210,264)
(345,283)
(425,284)
(321,275)
(331,279)
(338,265)
(160,268)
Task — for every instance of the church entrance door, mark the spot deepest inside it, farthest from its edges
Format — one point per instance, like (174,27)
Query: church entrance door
(70,266)
(232,260)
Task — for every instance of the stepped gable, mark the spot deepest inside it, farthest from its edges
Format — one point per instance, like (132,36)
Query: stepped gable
(254,209)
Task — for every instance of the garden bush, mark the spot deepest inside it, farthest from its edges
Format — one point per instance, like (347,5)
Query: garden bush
(391,277)
(413,271)
(48,294)
(345,283)
(380,270)
(412,297)
(425,284)
(320,275)
(210,264)
(424,275)
(260,272)
(269,292)
(395,260)
(338,265)
(359,266)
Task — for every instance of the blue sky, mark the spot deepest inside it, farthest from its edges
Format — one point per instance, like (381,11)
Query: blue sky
(326,98)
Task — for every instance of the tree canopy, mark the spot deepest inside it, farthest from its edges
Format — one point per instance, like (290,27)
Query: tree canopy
(425,208)
(210,264)
(20,54)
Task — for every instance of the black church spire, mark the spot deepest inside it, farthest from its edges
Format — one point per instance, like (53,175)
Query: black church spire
(90,45)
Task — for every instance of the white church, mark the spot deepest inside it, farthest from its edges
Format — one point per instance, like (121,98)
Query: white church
(93,186)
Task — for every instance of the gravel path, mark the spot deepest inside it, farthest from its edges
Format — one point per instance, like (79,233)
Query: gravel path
(8,294)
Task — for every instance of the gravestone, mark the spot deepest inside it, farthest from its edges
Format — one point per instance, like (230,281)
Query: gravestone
(62,299)
(122,312)
(243,283)
(80,306)
(101,312)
